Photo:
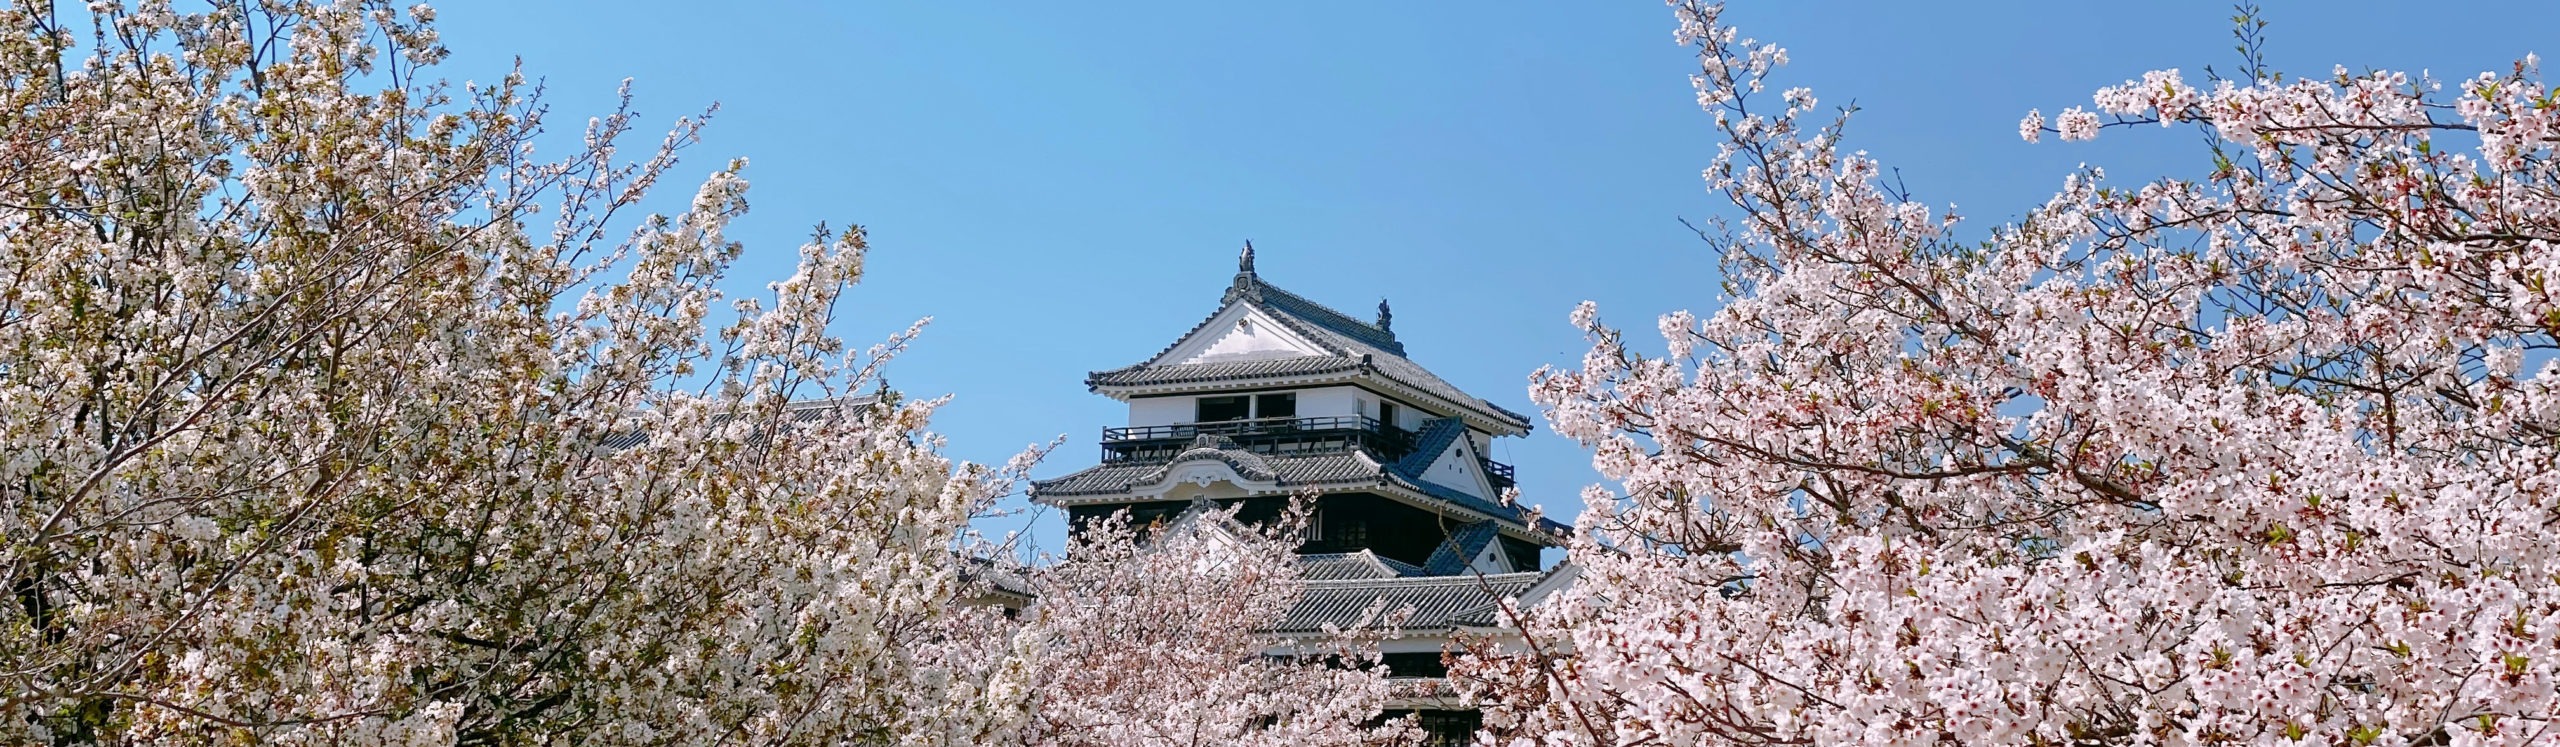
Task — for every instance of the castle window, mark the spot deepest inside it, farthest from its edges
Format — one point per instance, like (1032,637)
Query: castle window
(1387,414)
(1347,529)
(1276,406)
(1215,409)
(1448,727)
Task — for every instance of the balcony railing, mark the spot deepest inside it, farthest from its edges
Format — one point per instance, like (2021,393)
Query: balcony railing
(1499,474)
(1274,436)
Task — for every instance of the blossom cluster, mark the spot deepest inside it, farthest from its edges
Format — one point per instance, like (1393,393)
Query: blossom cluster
(1162,638)
(2265,456)
(331,415)
(317,430)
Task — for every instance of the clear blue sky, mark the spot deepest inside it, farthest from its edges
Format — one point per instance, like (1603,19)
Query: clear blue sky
(1063,188)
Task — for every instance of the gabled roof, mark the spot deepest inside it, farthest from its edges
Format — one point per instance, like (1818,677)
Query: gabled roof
(1342,566)
(1428,445)
(1454,555)
(1439,603)
(1289,471)
(1435,437)
(1320,316)
(1002,581)
(1352,349)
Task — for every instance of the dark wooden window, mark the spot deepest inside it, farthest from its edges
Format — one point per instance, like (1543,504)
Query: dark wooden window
(1387,414)
(1215,409)
(1283,405)
(1524,556)
(1441,728)
(1415,664)
(1352,522)
(1347,529)
(1448,728)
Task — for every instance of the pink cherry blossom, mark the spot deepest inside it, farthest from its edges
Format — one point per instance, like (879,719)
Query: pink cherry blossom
(2259,455)
(2076,124)
(1162,640)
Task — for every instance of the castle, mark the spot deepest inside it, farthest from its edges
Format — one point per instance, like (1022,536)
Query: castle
(1273,396)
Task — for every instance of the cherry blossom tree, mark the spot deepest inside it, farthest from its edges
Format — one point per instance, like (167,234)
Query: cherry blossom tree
(2264,455)
(1160,640)
(330,415)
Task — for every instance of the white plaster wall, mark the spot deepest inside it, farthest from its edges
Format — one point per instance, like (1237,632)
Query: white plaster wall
(1490,560)
(1407,416)
(1410,417)
(1329,401)
(1318,402)
(1162,410)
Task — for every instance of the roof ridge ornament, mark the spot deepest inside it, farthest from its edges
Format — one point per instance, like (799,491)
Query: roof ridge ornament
(1386,319)
(1247,287)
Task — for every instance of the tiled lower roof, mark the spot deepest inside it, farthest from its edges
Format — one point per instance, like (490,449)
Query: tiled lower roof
(1435,437)
(1438,603)
(1340,566)
(1349,468)
(1109,478)
(1000,578)
(1454,555)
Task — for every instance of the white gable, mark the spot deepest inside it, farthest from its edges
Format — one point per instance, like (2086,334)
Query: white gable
(1238,333)
(1458,468)
(1194,526)
(1491,560)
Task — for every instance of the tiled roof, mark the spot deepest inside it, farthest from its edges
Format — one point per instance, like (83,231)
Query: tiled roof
(1435,437)
(1000,578)
(1107,478)
(1353,345)
(1394,366)
(1353,565)
(1348,468)
(1324,317)
(1453,556)
(1437,602)
(1144,375)
(1491,508)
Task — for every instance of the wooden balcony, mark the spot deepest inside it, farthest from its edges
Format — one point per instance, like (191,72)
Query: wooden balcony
(1273,436)
(1277,437)
(1500,474)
